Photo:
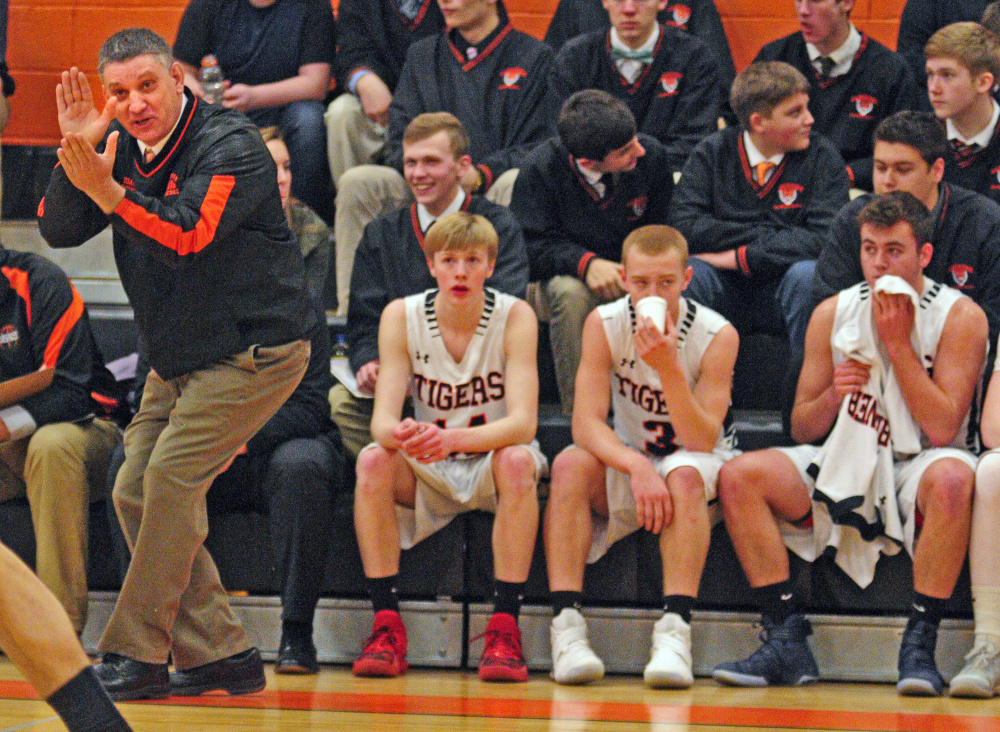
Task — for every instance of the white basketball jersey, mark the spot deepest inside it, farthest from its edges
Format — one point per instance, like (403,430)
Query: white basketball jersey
(464,393)
(935,304)
(641,419)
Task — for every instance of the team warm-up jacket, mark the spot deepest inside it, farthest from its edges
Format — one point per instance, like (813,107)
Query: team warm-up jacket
(922,17)
(566,224)
(698,17)
(980,171)
(718,206)
(201,242)
(848,108)
(501,96)
(966,244)
(675,99)
(43,323)
(394,266)
(373,35)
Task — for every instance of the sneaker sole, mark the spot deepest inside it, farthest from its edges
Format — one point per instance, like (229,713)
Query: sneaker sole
(378,669)
(732,678)
(916,687)
(503,673)
(970,689)
(581,675)
(666,680)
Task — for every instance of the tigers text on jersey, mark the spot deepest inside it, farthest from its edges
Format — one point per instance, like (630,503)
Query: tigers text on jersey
(456,394)
(641,419)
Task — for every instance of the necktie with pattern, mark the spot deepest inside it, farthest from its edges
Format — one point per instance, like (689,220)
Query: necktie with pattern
(762,170)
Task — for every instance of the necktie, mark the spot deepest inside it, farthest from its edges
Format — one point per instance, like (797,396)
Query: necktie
(149,155)
(627,54)
(761,171)
(964,152)
(826,65)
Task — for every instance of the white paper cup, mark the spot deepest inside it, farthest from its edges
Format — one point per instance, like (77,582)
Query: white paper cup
(653,307)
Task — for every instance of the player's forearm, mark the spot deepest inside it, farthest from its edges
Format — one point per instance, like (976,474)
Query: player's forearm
(597,438)
(514,429)
(813,418)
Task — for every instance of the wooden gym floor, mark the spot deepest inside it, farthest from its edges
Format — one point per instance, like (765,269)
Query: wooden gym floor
(457,700)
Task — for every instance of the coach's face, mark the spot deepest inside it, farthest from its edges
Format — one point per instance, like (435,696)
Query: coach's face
(148,96)
(893,250)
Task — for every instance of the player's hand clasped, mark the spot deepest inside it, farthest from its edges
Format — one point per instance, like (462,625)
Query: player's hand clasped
(425,442)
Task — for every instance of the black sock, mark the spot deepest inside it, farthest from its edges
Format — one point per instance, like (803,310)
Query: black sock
(928,609)
(562,599)
(297,630)
(383,592)
(680,604)
(776,602)
(85,706)
(507,598)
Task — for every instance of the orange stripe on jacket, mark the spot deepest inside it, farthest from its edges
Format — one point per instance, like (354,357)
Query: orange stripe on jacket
(66,323)
(19,281)
(173,236)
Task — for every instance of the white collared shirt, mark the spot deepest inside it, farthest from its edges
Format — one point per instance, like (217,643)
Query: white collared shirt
(843,57)
(162,143)
(755,156)
(592,177)
(983,137)
(630,68)
(426,218)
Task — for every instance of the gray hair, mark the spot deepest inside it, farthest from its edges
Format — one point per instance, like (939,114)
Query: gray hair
(131,42)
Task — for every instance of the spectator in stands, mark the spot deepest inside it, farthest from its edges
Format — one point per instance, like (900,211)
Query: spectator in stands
(469,355)
(755,202)
(656,468)
(490,76)
(310,230)
(910,152)
(854,81)
(53,448)
(291,470)
(667,77)
(577,197)
(36,635)
(963,66)
(897,348)
(980,678)
(374,37)
(276,56)
(921,18)
(220,303)
(394,263)
(991,18)
(699,17)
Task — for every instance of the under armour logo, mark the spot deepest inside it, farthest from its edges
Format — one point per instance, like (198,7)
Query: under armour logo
(422,357)
(626,362)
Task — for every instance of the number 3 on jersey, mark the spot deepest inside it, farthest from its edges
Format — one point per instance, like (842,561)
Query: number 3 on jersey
(663,438)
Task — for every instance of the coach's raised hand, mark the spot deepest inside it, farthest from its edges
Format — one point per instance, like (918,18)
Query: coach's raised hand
(77,112)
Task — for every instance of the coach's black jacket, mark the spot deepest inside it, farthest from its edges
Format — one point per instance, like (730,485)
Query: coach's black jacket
(200,239)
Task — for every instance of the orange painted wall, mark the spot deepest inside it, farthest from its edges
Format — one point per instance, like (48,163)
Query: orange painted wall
(46,36)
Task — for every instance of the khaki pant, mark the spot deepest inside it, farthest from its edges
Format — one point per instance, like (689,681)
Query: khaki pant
(186,431)
(61,468)
(351,138)
(369,191)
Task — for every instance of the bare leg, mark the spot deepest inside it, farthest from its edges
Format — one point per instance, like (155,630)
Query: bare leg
(684,543)
(578,488)
(756,488)
(945,500)
(384,480)
(516,525)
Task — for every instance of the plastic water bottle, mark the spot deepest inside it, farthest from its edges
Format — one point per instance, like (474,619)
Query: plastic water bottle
(212,81)
(340,346)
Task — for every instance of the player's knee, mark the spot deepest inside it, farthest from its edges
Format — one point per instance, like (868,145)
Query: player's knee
(567,483)
(514,470)
(687,488)
(738,479)
(373,472)
(948,484)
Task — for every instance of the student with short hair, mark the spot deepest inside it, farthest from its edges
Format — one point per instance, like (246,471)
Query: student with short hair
(577,197)
(656,468)
(466,354)
(755,202)
(892,365)
(963,67)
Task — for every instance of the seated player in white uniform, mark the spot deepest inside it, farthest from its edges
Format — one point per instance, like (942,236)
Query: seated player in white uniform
(771,495)
(466,355)
(980,678)
(656,469)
